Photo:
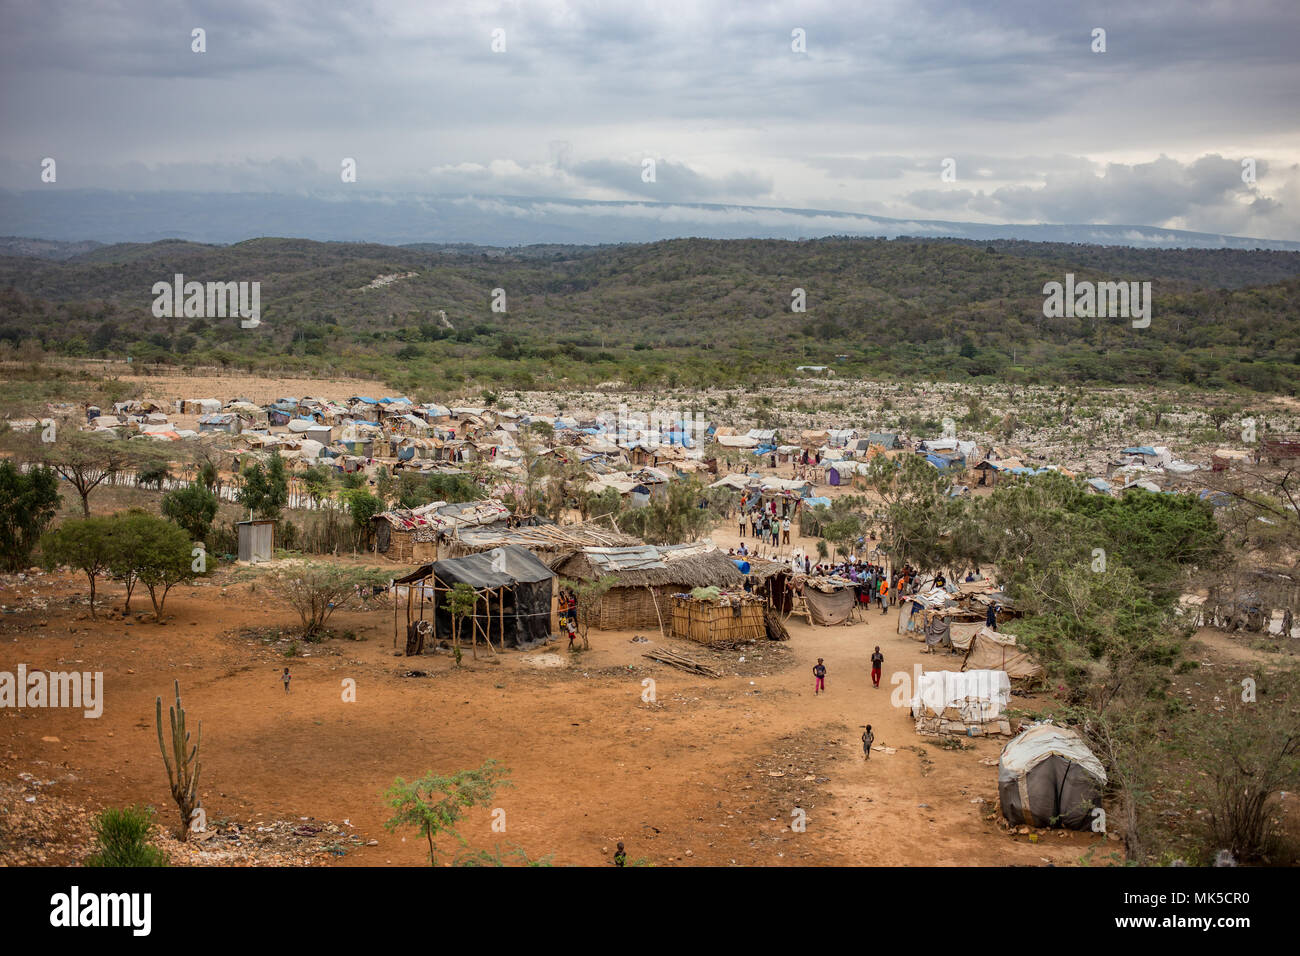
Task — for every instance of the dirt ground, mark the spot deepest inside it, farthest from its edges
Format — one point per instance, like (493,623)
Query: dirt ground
(709,772)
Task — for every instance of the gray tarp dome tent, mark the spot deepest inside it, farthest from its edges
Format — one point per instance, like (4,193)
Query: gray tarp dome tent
(515,593)
(1047,777)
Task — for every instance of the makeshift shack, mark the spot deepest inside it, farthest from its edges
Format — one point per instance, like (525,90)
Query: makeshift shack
(962,704)
(1047,777)
(515,599)
(828,602)
(644,577)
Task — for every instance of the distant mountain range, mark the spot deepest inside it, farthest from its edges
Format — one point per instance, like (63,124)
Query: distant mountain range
(87,217)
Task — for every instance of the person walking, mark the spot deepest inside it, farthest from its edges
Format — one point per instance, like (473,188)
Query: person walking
(884,593)
(785,530)
(868,738)
(286,678)
(877,661)
(819,675)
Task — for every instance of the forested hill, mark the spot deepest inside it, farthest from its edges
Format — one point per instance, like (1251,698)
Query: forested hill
(679,311)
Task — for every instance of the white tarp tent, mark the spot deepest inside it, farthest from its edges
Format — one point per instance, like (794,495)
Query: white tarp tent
(977,696)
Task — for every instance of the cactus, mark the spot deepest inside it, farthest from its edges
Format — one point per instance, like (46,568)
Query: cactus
(184,777)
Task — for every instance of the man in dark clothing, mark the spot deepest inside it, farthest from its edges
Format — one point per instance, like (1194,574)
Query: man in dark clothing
(991,621)
(877,661)
(819,675)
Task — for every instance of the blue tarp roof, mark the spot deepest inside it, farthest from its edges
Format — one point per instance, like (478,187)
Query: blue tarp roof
(814,502)
(362,398)
(1139,450)
(742,565)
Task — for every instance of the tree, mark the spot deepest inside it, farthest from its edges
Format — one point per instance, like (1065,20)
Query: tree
(363,506)
(149,550)
(165,559)
(265,490)
(28,503)
(153,473)
(316,590)
(86,459)
(82,543)
(461,600)
(412,805)
(193,508)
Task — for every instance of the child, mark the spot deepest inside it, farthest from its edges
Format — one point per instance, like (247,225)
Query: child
(571,626)
(819,673)
(285,677)
(868,738)
(620,855)
(877,659)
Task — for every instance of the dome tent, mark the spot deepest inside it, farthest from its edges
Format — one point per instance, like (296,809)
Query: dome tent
(1047,777)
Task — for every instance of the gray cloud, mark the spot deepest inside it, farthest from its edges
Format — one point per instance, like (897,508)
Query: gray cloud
(1042,128)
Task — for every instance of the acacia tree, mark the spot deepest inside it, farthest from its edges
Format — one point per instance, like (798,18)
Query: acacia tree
(86,459)
(413,805)
(82,543)
(165,559)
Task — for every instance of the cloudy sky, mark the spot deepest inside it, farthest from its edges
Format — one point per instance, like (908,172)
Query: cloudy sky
(1040,128)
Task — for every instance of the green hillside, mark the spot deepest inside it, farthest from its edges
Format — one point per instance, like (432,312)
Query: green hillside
(682,311)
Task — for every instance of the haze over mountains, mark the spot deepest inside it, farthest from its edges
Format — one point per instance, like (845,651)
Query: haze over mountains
(108,216)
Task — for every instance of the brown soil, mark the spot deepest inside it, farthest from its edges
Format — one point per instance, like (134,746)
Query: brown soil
(710,772)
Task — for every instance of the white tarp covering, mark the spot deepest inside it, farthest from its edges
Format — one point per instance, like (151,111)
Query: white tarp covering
(977,695)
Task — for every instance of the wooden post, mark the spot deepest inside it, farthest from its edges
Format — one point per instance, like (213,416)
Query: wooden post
(501,617)
(657,614)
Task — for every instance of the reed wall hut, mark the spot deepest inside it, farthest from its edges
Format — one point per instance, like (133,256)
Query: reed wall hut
(645,578)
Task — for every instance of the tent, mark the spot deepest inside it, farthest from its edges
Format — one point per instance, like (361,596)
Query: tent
(993,650)
(962,703)
(515,598)
(1047,777)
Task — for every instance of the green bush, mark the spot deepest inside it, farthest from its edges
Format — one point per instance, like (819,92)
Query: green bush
(122,839)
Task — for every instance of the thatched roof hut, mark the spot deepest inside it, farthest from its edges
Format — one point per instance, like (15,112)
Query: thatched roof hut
(645,576)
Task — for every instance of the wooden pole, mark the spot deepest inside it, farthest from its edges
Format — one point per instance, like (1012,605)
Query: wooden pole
(501,617)
(657,614)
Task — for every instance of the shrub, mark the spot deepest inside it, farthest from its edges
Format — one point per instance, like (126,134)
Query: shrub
(122,839)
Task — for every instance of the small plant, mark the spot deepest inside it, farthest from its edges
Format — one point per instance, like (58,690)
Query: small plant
(122,839)
(460,791)
(291,650)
